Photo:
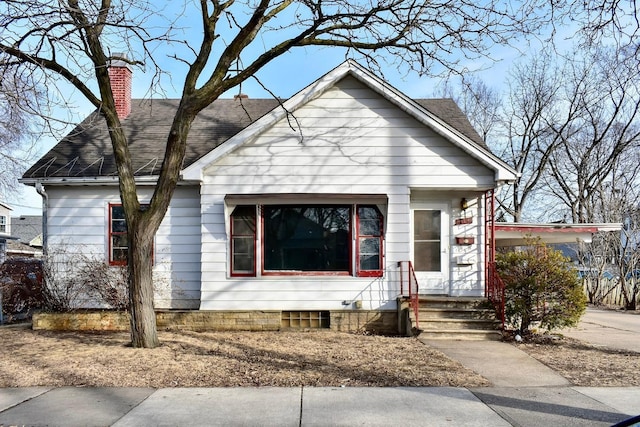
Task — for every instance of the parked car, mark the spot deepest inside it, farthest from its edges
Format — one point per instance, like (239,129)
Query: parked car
(21,283)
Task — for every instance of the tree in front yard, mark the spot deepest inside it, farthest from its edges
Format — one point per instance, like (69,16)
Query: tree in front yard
(541,288)
(205,48)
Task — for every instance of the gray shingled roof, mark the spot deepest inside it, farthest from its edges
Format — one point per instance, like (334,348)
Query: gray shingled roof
(447,110)
(26,227)
(86,151)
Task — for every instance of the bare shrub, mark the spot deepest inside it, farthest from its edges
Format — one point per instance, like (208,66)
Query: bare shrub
(76,279)
(61,291)
(108,283)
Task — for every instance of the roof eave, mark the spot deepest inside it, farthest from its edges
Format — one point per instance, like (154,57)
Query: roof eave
(97,180)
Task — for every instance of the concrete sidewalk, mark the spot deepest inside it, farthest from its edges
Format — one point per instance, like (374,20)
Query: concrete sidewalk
(309,406)
(501,363)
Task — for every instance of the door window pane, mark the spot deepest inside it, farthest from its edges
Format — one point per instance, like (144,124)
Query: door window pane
(427,231)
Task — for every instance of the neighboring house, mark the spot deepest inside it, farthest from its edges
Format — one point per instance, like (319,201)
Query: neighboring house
(5,219)
(306,205)
(27,231)
(5,229)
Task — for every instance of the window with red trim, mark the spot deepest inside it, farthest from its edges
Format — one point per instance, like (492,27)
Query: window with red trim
(118,244)
(369,250)
(243,241)
(307,240)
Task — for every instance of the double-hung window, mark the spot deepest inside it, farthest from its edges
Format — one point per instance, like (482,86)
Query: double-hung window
(369,254)
(3,224)
(243,241)
(118,243)
(306,240)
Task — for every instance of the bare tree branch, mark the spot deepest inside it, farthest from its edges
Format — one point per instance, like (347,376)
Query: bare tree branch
(71,40)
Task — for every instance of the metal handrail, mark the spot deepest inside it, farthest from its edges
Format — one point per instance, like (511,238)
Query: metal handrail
(495,291)
(494,286)
(412,287)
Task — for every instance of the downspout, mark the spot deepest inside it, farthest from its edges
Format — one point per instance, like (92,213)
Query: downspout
(45,206)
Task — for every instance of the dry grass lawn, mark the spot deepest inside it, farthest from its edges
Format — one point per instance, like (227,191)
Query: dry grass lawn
(587,365)
(240,359)
(189,359)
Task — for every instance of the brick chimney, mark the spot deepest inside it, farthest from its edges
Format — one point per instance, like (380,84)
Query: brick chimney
(120,74)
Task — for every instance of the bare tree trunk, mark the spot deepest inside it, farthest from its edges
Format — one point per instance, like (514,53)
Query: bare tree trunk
(143,317)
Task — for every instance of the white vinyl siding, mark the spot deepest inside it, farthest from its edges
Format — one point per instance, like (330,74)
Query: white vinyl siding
(353,142)
(77,222)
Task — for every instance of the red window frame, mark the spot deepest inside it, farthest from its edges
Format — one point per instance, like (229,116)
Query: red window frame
(354,268)
(348,272)
(112,234)
(360,236)
(235,234)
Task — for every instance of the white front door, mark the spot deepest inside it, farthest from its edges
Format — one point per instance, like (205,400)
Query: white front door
(430,247)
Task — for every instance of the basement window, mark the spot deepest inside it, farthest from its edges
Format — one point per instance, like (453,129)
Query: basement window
(305,319)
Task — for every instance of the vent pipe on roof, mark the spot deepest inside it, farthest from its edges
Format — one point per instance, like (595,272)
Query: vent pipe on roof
(120,74)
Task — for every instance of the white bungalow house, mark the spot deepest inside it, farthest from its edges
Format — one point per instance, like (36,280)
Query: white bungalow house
(310,210)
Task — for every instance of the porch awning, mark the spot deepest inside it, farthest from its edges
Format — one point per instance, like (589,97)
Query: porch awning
(514,234)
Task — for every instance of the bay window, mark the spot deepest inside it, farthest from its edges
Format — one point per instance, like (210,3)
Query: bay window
(118,245)
(306,240)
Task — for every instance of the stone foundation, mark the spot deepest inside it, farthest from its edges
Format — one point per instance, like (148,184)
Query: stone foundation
(365,321)
(357,321)
(82,321)
(219,320)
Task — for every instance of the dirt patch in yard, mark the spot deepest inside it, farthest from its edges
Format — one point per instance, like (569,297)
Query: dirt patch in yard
(238,359)
(241,359)
(584,364)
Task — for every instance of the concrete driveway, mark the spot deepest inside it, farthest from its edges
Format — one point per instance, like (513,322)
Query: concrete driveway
(611,328)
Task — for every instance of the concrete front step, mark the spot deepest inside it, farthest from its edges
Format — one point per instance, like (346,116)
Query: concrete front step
(457,313)
(461,334)
(458,318)
(444,317)
(444,323)
(426,301)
